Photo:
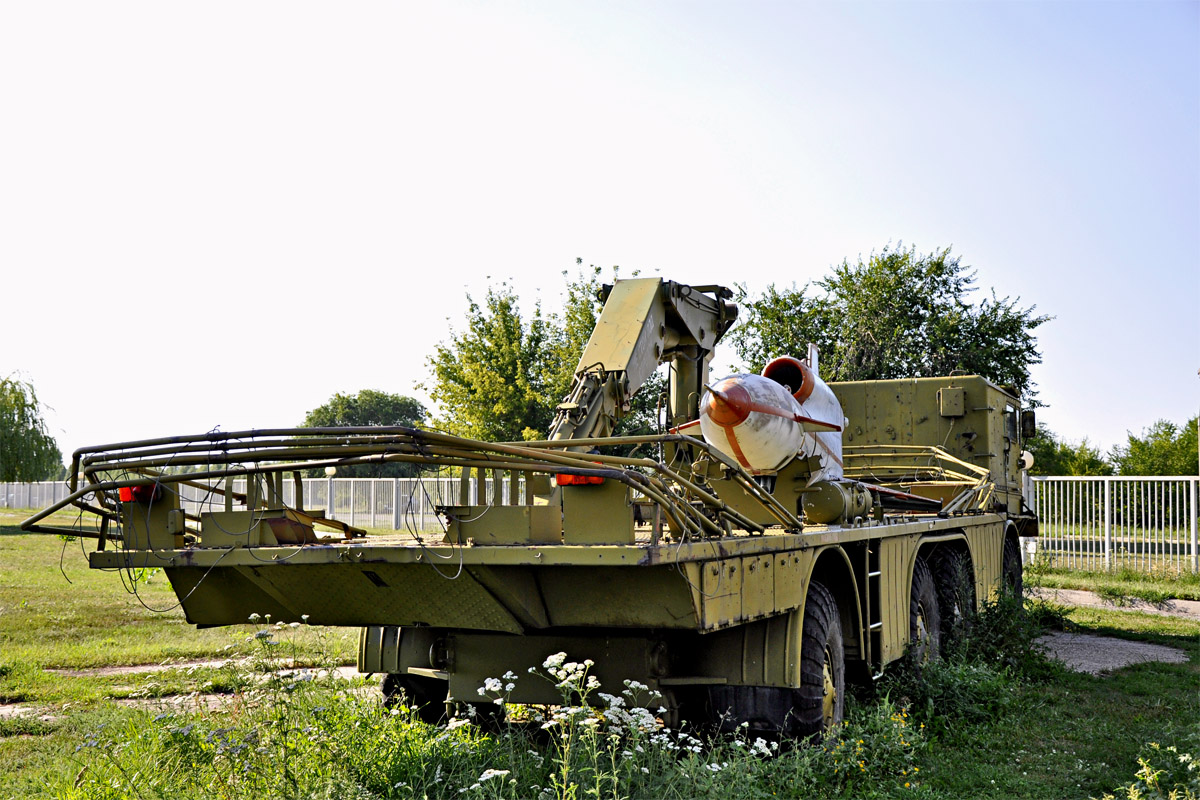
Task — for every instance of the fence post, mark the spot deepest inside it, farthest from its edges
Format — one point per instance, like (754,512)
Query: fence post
(371,500)
(1108,523)
(329,505)
(1195,552)
(395,504)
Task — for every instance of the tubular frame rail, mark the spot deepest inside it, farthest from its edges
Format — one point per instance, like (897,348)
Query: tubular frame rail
(908,465)
(98,473)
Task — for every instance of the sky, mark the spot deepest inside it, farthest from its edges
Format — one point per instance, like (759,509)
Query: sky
(219,214)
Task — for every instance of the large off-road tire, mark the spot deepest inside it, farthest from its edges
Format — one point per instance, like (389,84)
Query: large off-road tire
(821,696)
(954,580)
(924,617)
(1012,570)
(426,696)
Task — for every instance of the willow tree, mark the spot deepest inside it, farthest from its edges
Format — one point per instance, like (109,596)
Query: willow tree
(27,450)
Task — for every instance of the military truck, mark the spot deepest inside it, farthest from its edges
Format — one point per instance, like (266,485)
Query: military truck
(777,538)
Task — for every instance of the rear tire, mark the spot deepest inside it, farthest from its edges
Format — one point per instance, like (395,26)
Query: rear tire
(821,695)
(426,696)
(955,582)
(924,618)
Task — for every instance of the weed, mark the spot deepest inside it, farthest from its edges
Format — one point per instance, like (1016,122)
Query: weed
(1166,773)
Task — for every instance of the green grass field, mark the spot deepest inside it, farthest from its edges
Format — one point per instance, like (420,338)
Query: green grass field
(993,722)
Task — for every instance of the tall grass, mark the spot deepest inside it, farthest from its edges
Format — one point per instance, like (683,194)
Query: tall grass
(307,733)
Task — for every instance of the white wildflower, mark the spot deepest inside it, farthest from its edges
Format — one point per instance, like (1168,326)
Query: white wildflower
(488,774)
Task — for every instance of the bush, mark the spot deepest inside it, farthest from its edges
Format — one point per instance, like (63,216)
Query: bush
(972,681)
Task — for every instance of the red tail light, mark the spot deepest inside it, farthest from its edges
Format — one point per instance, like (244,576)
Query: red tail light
(577,480)
(141,494)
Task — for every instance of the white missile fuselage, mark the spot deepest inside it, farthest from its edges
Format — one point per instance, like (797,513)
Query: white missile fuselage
(765,421)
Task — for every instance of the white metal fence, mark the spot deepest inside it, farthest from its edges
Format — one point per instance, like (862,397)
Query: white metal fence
(1148,524)
(387,503)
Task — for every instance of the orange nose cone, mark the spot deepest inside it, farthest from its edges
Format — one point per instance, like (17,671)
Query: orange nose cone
(728,403)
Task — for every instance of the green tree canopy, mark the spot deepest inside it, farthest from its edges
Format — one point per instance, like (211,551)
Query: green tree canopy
(502,377)
(494,380)
(369,408)
(27,450)
(1053,456)
(1163,449)
(899,314)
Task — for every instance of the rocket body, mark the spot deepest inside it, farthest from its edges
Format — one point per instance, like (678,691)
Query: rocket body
(765,421)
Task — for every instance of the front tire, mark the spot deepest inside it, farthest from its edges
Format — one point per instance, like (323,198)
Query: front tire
(822,665)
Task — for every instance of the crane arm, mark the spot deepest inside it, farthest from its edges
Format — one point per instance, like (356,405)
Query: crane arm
(645,322)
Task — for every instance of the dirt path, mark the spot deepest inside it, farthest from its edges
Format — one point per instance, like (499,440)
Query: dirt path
(1189,609)
(1084,652)
(181,701)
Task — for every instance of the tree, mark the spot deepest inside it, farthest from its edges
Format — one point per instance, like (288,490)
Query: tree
(27,450)
(369,408)
(1053,456)
(899,314)
(1163,449)
(494,380)
(502,378)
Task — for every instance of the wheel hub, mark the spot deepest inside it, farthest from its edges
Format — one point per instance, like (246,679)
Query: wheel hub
(829,692)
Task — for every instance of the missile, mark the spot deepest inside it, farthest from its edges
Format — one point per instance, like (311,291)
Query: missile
(765,421)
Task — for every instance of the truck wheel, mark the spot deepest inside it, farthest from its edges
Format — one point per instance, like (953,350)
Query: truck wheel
(924,619)
(955,582)
(822,665)
(426,696)
(1014,583)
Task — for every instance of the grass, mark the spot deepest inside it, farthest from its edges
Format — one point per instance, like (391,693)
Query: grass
(994,719)
(57,613)
(1119,585)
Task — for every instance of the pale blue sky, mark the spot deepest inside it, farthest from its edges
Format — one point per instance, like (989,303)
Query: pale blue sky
(222,213)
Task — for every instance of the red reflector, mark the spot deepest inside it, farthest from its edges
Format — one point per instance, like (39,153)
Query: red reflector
(577,480)
(142,494)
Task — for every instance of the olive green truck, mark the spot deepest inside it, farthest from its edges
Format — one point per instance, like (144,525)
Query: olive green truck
(779,537)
